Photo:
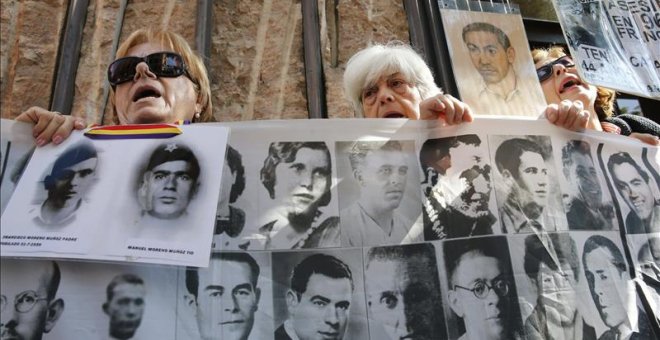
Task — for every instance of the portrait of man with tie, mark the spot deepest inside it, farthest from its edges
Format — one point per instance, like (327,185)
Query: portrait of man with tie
(527,201)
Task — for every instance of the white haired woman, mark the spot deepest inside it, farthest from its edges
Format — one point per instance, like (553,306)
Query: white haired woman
(393,81)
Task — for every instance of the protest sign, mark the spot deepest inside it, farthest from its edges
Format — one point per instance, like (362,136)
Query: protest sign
(615,44)
(492,63)
(514,210)
(142,200)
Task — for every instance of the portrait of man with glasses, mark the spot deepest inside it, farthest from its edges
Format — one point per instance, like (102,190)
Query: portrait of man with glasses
(28,304)
(481,290)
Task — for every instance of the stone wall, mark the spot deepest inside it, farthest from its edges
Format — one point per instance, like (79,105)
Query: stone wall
(30,33)
(256,60)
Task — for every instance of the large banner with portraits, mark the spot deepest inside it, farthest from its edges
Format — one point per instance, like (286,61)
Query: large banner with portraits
(130,199)
(387,229)
(616,44)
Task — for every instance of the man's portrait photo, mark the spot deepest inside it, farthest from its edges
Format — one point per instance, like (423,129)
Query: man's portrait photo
(638,191)
(384,208)
(586,208)
(124,305)
(29,306)
(169,182)
(613,291)
(482,293)
(297,177)
(552,264)
(648,267)
(225,296)
(314,296)
(66,186)
(581,20)
(230,219)
(403,293)
(528,198)
(14,156)
(648,257)
(456,188)
(490,55)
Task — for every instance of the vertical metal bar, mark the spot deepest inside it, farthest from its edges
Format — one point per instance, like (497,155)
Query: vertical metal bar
(444,75)
(416,29)
(68,58)
(204,29)
(119,24)
(314,79)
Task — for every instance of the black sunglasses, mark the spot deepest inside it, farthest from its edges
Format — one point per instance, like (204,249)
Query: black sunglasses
(544,72)
(162,64)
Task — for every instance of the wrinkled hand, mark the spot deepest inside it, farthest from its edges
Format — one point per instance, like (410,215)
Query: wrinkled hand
(645,138)
(569,115)
(447,108)
(50,126)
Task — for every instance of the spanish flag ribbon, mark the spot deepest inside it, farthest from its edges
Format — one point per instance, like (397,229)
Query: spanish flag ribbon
(135,131)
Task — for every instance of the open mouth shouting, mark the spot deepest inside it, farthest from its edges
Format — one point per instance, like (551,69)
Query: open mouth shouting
(146,92)
(393,114)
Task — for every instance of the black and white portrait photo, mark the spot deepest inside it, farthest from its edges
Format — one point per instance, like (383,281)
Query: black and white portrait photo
(581,23)
(646,253)
(124,305)
(587,208)
(490,55)
(385,208)
(638,193)
(319,295)
(528,198)
(169,182)
(613,291)
(297,177)
(457,188)
(648,256)
(230,220)
(482,293)
(403,293)
(66,186)
(552,265)
(16,148)
(30,303)
(226,301)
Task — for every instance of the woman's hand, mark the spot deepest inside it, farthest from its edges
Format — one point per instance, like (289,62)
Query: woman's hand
(571,115)
(50,126)
(645,138)
(445,107)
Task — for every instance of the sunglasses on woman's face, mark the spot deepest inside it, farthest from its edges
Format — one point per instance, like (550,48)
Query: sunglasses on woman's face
(162,64)
(544,72)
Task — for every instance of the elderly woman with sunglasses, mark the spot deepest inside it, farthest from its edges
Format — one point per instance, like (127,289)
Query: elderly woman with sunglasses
(156,78)
(393,81)
(575,104)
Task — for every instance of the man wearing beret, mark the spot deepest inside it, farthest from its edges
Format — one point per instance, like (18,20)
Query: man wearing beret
(169,182)
(68,182)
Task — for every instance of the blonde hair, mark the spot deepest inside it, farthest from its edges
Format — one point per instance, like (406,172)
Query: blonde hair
(194,65)
(366,66)
(604,104)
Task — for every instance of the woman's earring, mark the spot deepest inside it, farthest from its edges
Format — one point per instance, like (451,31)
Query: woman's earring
(197,116)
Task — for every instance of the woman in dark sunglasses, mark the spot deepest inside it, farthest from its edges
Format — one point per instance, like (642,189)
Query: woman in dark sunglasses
(155,78)
(575,104)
